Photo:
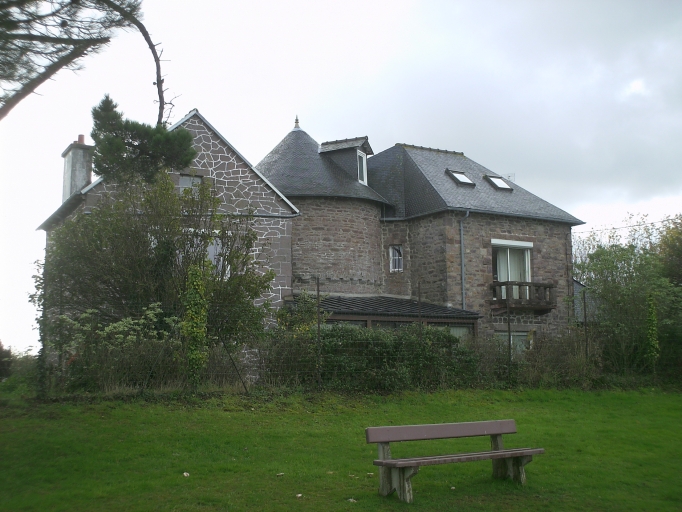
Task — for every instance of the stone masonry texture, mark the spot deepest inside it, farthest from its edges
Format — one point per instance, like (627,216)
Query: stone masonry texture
(432,257)
(339,240)
(241,190)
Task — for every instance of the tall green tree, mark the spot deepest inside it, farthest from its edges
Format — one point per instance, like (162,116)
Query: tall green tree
(126,150)
(630,294)
(671,249)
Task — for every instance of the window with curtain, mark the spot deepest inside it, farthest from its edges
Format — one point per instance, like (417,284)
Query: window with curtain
(512,264)
(395,254)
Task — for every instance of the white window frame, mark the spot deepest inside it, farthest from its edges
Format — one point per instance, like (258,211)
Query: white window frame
(393,259)
(362,157)
(499,183)
(527,248)
(460,178)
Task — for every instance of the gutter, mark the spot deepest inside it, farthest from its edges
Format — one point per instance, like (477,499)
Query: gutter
(487,212)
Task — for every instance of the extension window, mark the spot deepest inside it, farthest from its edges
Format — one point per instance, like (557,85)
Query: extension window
(395,255)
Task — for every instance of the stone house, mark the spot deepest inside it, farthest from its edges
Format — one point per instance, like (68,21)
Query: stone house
(415,228)
(411,234)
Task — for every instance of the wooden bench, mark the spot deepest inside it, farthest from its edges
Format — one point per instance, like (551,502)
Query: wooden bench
(396,474)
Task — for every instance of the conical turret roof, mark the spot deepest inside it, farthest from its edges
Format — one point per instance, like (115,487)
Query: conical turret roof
(296,168)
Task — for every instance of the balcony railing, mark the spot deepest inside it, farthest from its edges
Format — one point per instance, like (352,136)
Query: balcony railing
(523,295)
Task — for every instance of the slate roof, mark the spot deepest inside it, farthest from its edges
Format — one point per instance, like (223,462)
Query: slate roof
(414,179)
(296,168)
(361,143)
(390,306)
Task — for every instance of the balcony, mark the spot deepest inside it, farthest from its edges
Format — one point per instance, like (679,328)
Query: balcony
(519,295)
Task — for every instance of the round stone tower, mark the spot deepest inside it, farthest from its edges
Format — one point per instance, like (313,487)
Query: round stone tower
(337,236)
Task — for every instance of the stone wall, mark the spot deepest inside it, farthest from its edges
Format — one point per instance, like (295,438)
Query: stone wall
(242,190)
(431,246)
(428,258)
(339,240)
(551,262)
(396,283)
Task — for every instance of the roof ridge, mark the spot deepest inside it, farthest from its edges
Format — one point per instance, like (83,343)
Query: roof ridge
(344,140)
(461,153)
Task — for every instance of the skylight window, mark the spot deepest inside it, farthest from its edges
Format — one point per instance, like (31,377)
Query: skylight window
(459,177)
(499,182)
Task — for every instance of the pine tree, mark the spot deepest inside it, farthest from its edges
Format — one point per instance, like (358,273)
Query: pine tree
(126,150)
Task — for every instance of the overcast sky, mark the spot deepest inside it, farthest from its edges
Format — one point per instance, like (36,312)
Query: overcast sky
(581,100)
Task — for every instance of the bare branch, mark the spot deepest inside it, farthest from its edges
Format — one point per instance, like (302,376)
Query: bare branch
(152,47)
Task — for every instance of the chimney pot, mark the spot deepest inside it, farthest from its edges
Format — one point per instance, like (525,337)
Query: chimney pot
(81,139)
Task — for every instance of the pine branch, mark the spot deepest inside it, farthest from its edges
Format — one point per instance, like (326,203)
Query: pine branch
(56,40)
(50,70)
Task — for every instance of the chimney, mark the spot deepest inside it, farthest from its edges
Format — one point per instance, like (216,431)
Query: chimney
(77,167)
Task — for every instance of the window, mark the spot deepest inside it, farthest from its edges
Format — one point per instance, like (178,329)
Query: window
(459,177)
(499,183)
(395,255)
(217,256)
(189,182)
(521,340)
(362,168)
(511,262)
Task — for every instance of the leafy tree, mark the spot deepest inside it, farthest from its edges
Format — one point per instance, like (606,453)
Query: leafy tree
(5,361)
(671,249)
(627,284)
(126,150)
(651,348)
(137,248)
(38,38)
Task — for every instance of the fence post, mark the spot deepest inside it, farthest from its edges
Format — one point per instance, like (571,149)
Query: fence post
(246,390)
(509,336)
(419,308)
(319,345)
(587,345)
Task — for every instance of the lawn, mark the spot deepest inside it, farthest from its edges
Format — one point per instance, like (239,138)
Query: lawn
(604,451)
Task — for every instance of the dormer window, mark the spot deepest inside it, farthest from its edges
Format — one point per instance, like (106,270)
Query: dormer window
(498,183)
(459,177)
(362,168)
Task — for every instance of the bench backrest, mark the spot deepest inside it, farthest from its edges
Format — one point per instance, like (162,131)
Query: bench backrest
(439,431)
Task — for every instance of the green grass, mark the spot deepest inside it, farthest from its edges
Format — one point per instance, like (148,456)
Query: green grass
(604,451)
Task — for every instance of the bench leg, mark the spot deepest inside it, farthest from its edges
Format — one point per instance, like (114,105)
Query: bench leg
(502,469)
(518,473)
(401,480)
(511,468)
(385,484)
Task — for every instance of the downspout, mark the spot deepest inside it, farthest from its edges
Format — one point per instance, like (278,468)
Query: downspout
(461,249)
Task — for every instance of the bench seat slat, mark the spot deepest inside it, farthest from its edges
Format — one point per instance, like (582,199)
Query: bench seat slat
(460,457)
(439,431)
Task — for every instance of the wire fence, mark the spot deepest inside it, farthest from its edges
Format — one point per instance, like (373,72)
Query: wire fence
(344,359)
